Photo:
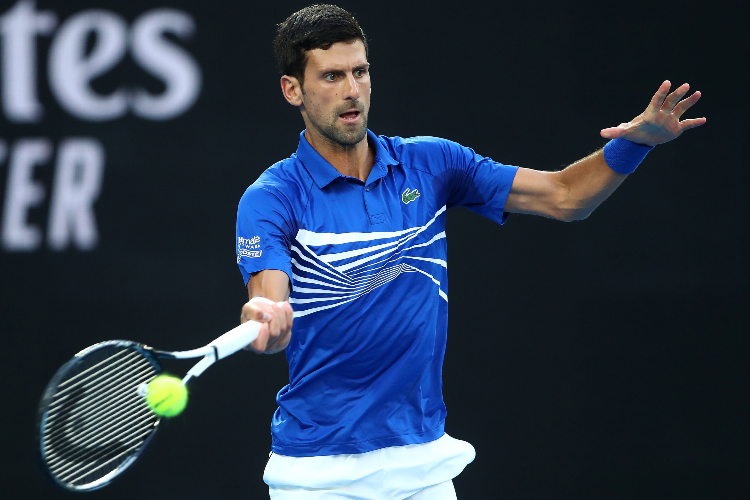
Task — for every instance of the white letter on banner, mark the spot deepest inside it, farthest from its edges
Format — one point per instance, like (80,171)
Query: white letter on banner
(22,193)
(18,29)
(78,181)
(166,61)
(71,69)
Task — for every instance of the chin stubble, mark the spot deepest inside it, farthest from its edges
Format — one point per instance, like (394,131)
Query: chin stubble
(343,138)
(333,133)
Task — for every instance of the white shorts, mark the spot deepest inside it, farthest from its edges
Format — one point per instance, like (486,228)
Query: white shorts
(396,472)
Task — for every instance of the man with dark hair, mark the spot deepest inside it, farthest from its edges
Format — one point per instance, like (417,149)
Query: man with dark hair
(316,27)
(350,230)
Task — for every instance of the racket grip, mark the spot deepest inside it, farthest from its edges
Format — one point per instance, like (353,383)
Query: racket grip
(235,339)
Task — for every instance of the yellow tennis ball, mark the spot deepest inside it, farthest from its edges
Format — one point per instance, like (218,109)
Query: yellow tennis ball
(166,396)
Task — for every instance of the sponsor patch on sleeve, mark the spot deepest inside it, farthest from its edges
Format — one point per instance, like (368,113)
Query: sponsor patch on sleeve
(248,247)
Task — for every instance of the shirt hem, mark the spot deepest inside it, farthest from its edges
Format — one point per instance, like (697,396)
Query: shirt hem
(308,450)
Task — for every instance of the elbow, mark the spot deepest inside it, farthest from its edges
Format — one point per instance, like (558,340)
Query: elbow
(569,208)
(571,215)
(561,202)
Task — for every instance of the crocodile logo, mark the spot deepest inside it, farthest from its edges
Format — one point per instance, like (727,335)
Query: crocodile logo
(408,196)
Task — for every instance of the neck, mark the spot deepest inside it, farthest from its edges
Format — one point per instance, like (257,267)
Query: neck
(353,161)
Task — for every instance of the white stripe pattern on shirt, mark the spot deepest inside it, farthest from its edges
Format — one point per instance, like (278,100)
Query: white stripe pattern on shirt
(358,269)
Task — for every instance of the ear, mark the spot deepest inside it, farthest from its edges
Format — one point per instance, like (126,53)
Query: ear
(292,90)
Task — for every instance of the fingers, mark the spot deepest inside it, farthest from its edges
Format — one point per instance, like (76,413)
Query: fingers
(661,94)
(280,327)
(685,104)
(277,324)
(660,122)
(611,132)
(692,123)
(615,132)
(259,345)
(289,314)
(672,99)
(277,321)
(285,317)
(255,310)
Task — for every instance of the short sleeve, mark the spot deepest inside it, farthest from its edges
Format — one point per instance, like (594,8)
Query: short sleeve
(264,232)
(478,183)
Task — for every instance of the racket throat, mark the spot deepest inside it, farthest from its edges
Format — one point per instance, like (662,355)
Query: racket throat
(201,366)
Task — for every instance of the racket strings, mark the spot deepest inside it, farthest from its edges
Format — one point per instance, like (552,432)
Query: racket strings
(109,451)
(108,386)
(88,418)
(96,420)
(99,385)
(80,455)
(89,423)
(91,437)
(102,365)
(94,433)
(118,459)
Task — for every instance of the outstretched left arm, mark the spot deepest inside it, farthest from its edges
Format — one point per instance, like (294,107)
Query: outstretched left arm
(573,193)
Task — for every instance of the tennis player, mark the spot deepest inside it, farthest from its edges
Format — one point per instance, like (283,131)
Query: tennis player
(346,238)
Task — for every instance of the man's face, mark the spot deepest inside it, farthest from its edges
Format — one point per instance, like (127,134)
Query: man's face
(336,92)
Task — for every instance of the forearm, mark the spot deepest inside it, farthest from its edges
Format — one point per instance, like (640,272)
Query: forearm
(575,192)
(271,284)
(585,185)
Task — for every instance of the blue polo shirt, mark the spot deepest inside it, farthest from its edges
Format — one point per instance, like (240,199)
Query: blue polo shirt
(367,263)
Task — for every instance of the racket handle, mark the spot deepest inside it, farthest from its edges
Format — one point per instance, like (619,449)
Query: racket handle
(235,339)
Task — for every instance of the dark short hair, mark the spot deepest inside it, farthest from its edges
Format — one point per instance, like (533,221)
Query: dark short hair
(315,27)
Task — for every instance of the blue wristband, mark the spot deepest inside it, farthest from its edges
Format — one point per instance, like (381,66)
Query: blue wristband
(624,156)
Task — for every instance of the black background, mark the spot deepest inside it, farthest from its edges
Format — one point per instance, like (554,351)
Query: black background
(596,359)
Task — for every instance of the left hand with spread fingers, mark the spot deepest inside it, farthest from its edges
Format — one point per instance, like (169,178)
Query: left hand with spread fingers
(660,122)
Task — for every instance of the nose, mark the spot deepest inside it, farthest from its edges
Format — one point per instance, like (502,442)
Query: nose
(352,88)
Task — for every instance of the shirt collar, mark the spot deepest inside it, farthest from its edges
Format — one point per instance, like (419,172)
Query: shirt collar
(324,173)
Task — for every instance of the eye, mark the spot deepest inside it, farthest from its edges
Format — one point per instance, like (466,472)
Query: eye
(359,73)
(330,77)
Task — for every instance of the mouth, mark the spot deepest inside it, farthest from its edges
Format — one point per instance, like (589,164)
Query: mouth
(350,116)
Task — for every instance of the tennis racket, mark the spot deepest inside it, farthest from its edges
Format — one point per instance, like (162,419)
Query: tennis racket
(93,418)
